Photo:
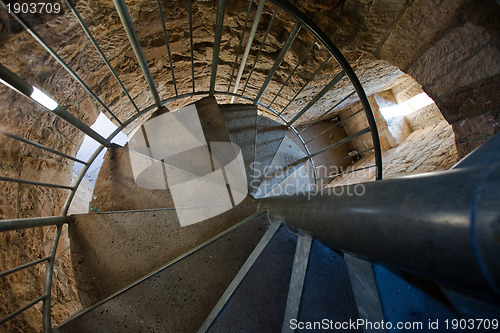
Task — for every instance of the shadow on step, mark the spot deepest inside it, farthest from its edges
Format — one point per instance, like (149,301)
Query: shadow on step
(180,296)
(112,250)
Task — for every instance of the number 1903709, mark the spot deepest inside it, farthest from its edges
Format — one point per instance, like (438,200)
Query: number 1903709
(34,8)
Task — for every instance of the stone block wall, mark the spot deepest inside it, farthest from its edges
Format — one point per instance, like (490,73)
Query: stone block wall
(450,47)
(358,122)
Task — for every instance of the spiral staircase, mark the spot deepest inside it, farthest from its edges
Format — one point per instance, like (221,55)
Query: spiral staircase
(261,264)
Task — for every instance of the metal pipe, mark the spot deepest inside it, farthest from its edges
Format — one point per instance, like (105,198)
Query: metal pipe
(165,35)
(442,226)
(49,272)
(316,98)
(190,11)
(301,60)
(69,118)
(251,37)
(15,224)
(243,31)
(219,22)
(19,268)
(297,279)
(128,25)
(270,25)
(24,308)
(279,59)
(39,145)
(32,182)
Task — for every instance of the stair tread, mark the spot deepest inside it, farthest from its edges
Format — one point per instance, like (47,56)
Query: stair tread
(211,120)
(178,297)
(104,246)
(270,134)
(288,158)
(258,305)
(327,291)
(241,123)
(297,182)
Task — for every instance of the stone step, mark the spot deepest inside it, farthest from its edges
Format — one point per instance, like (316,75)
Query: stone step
(270,134)
(288,158)
(179,296)
(327,292)
(297,182)
(110,251)
(241,123)
(258,305)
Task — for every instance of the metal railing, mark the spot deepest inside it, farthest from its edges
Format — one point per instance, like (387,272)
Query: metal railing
(450,229)
(232,91)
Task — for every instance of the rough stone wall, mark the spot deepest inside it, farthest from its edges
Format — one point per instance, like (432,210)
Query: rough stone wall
(425,150)
(405,88)
(358,122)
(20,201)
(451,47)
(20,116)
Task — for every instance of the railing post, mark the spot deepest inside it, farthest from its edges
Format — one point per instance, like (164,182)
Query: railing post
(221,7)
(251,37)
(277,63)
(122,10)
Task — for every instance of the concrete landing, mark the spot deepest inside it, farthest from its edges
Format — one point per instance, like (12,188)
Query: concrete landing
(110,251)
(116,188)
(178,298)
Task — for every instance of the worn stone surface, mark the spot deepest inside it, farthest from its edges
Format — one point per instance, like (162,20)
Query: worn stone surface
(379,20)
(429,149)
(484,65)
(416,28)
(470,101)
(178,297)
(473,131)
(453,49)
(104,247)
(426,116)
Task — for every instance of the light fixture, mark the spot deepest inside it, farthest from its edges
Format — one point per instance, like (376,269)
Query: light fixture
(15,82)
(40,97)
